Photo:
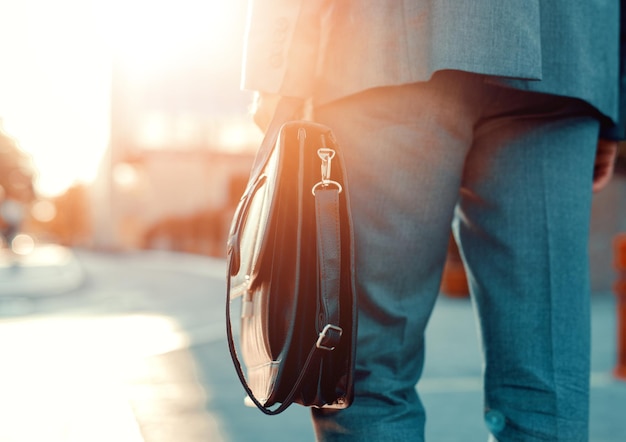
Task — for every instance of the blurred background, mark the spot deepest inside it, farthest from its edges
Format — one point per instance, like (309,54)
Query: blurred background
(123,125)
(125,144)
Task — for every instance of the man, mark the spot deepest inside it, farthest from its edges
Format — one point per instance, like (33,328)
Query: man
(500,117)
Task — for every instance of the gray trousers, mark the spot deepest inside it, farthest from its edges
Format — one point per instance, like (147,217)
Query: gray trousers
(512,171)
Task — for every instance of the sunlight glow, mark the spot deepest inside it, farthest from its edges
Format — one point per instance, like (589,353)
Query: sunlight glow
(54,91)
(146,33)
(69,374)
(56,70)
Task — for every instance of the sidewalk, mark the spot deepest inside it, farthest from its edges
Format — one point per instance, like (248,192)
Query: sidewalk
(48,270)
(136,353)
(49,391)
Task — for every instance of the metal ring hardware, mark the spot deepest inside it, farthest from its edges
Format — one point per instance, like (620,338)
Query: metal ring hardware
(326,184)
(326,155)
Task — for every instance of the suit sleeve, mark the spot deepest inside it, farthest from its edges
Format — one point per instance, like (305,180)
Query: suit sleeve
(617,130)
(283,39)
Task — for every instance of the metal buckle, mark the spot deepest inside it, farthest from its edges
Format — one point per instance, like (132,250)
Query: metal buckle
(324,334)
(326,155)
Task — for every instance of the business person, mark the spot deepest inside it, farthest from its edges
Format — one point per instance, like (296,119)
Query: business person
(500,117)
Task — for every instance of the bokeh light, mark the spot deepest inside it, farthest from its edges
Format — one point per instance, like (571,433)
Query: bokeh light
(23,244)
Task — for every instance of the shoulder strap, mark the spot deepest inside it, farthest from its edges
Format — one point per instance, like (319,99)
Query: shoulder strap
(329,264)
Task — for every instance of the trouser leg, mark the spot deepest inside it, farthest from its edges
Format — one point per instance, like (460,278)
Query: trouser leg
(522,224)
(404,149)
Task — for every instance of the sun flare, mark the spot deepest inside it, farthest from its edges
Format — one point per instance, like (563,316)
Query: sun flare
(55,82)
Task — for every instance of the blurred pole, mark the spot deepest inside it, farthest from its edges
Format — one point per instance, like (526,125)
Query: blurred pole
(104,220)
(620,293)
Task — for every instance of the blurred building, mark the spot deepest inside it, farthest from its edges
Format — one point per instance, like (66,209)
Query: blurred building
(172,176)
(181,145)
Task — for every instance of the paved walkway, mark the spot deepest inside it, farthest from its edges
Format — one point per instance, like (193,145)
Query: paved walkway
(133,350)
(46,271)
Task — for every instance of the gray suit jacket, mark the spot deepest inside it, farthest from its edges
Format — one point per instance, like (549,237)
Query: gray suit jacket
(327,49)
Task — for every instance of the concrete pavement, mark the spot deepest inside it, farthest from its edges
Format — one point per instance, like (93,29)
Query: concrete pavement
(47,270)
(135,351)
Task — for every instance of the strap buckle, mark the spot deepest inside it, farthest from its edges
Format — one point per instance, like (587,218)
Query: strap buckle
(325,340)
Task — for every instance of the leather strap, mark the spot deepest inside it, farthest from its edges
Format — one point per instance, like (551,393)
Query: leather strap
(329,262)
